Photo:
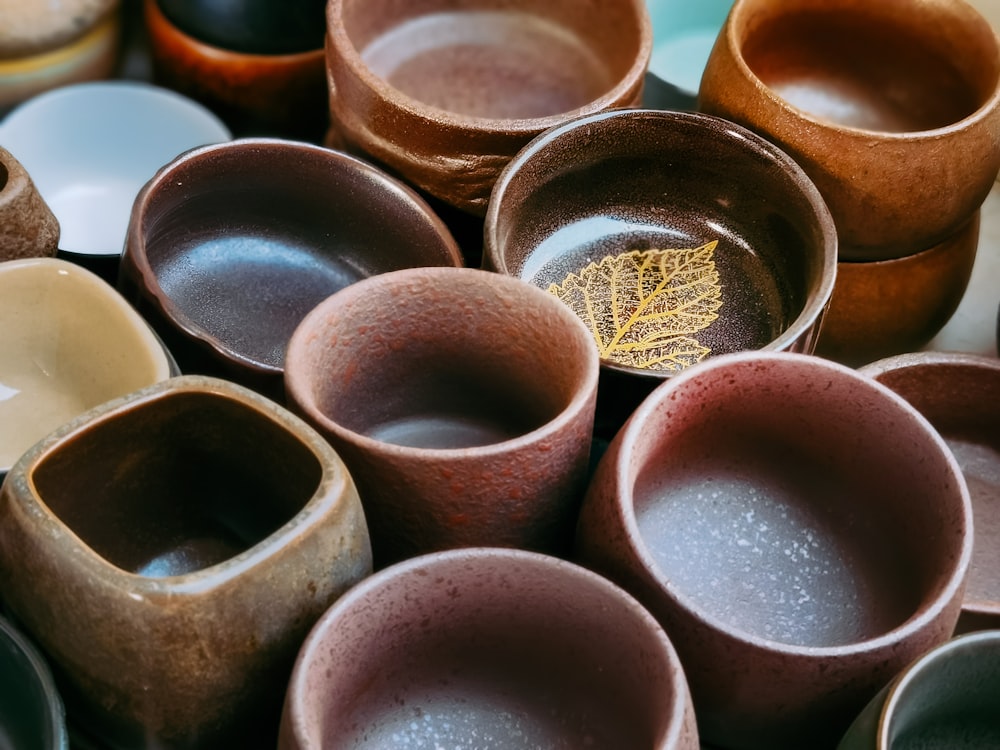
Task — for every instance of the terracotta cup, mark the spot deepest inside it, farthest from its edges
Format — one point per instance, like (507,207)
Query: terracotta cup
(169,551)
(444,93)
(462,402)
(800,531)
(960,395)
(28,228)
(487,648)
(891,107)
(945,699)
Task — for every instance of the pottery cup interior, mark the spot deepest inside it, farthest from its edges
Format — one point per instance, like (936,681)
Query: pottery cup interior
(31,711)
(69,342)
(674,235)
(487,647)
(960,395)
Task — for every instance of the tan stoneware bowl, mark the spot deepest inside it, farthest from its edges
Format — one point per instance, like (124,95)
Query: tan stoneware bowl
(675,236)
(278,94)
(444,93)
(462,402)
(169,551)
(801,532)
(891,107)
(68,342)
(945,699)
(28,228)
(960,395)
(886,307)
(230,246)
(489,648)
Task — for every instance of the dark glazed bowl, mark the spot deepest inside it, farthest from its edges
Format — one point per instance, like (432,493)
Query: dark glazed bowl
(445,92)
(960,395)
(230,246)
(31,711)
(599,187)
(800,531)
(487,648)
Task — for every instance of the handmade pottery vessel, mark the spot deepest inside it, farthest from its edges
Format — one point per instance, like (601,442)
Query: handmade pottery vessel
(28,228)
(886,307)
(229,246)
(257,92)
(487,648)
(892,108)
(445,93)
(676,236)
(169,551)
(31,711)
(91,147)
(69,342)
(462,402)
(960,395)
(945,699)
(800,531)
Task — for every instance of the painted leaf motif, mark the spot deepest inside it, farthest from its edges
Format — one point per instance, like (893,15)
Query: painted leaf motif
(644,307)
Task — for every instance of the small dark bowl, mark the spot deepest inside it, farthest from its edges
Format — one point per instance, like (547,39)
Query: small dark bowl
(230,246)
(600,187)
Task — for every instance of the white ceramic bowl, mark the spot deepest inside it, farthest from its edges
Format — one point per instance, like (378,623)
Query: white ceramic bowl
(91,147)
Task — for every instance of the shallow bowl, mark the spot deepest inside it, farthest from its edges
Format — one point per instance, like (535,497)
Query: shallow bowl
(800,531)
(68,342)
(675,235)
(960,395)
(487,648)
(445,93)
(231,245)
(892,108)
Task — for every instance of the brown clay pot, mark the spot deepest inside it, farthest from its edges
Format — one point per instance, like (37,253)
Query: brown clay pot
(28,228)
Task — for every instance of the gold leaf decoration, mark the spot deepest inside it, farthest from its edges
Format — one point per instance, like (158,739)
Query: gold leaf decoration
(643,307)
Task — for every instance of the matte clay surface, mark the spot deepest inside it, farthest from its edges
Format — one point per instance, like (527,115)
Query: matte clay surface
(28,228)
(892,108)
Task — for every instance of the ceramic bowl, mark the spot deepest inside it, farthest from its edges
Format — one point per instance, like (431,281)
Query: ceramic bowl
(90,147)
(229,246)
(283,94)
(69,342)
(28,228)
(185,537)
(960,395)
(800,531)
(487,648)
(462,402)
(945,699)
(48,45)
(888,307)
(444,93)
(892,108)
(683,36)
(675,235)
(31,711)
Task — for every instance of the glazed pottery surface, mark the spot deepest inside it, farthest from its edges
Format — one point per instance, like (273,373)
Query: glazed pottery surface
(800,531)
(68,342)
(445,93)
(282,94)
(31,711)
(887,307)
(91,147)
(186,538)
(462,402)
(487,648)
(28,228)
(675,235)
(960,395)
(946,699)
(891,107)
(231,245)
(32,28)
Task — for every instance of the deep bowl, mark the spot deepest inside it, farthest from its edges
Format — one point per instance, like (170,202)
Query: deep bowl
(960,395)
(231,245)
(674,235)
(31,710)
